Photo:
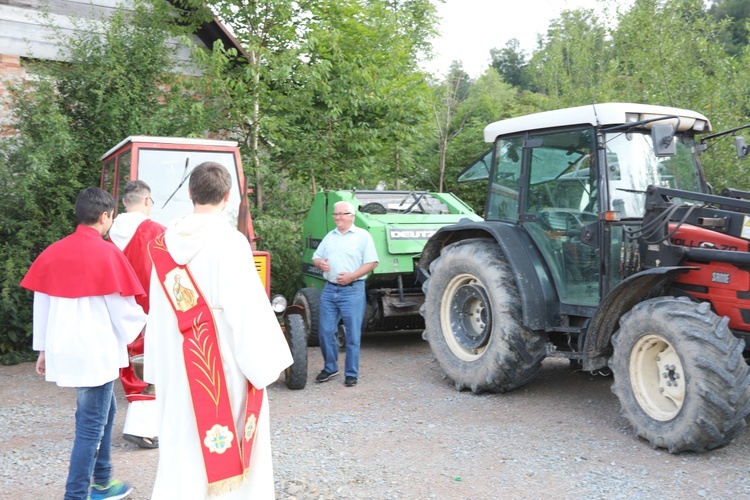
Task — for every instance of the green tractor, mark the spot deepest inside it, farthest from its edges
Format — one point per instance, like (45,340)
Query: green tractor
(400,223)
(603,244)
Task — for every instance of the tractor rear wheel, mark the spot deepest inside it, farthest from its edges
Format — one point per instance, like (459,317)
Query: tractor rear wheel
(473,322)
(296,336)
(680,375)
(309,299)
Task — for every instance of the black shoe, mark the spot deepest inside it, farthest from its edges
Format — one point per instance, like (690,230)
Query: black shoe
(350,381)
(324,376)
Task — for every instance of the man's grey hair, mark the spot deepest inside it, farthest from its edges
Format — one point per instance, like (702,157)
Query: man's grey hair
(349,206)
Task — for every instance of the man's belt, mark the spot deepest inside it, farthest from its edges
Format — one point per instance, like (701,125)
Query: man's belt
(226,454)
(340,286)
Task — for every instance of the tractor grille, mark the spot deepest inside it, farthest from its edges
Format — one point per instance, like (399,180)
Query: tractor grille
(261,265)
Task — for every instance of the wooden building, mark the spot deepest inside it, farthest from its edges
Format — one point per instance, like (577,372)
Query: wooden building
(24,34)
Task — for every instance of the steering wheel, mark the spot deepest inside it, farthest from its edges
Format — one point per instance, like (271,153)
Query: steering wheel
(559,223)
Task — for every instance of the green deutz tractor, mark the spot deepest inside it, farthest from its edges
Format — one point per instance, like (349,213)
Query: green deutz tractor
(400,223)
(602,243)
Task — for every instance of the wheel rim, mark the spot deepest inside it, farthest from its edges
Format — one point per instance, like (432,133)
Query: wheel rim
(465,320)
(657,377)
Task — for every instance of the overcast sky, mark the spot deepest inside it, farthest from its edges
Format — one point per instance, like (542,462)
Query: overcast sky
(470,28)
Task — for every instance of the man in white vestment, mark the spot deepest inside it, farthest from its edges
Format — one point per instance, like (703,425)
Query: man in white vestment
(251,343)
(130,232)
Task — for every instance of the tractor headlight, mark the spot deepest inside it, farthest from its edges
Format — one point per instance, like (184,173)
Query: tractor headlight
(278,304)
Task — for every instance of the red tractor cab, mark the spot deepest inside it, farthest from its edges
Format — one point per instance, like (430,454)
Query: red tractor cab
(165,163)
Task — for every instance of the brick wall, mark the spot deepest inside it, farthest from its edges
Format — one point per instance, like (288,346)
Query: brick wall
(10,70)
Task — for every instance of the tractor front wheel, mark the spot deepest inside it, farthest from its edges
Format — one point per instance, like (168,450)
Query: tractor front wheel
(296,336)
(680,375)
(473,319)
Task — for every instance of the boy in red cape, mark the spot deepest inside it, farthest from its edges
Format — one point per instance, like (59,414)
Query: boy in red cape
(85,315)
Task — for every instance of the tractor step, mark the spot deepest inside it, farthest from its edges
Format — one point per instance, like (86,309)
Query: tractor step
(404,305)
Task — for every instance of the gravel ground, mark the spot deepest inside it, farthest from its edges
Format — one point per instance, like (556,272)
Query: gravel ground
(403,432)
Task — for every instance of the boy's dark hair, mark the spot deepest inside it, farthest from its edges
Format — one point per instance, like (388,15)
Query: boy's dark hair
(209,183)
(91,203)
(135,191)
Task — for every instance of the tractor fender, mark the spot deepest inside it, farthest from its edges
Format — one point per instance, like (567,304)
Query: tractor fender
(539,300)
(294,309)
(597,347)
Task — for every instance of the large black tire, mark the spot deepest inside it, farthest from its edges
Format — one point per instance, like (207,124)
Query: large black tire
(296,336)
(309,298)
(473,322)
(680,375)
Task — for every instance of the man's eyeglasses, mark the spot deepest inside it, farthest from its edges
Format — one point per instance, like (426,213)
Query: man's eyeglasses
(341,214)
(151,200)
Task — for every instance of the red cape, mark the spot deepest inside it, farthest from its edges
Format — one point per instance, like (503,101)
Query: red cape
(136,252)
(82,265)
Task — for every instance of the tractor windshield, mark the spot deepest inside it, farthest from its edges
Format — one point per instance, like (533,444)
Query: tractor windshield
(165,170)
(632,166)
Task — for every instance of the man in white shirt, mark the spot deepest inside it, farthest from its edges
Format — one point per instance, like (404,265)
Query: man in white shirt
(346,255)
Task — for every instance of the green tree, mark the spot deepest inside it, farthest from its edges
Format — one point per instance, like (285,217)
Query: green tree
(119,81)
(510,62)
(449,122)
(666,52)
(325,95)
(736,12)
(367,95)
(251,87)
(571,67)
(683,64)
(326,89)
(489,99)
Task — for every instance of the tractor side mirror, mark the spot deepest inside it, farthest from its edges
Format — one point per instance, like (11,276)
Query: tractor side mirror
(662,136)
(742,149)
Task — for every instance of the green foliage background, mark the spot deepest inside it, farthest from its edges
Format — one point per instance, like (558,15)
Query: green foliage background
(329,94)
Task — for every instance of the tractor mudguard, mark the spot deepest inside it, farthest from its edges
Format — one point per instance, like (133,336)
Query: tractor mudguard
(630,291)
(539,299)
(294,309)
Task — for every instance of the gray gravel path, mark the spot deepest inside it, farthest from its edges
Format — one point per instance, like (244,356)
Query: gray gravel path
(402,433)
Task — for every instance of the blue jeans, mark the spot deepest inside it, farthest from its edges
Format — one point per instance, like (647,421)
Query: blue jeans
(91,447)
(348,303)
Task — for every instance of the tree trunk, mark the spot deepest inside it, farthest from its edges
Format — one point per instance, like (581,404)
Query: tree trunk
(397,167)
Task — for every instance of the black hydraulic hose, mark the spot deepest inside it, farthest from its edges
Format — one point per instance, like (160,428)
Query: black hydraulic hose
(711,255)
(678,224)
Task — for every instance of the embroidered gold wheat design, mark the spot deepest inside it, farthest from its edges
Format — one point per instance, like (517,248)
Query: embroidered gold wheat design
(159,243)
(207,363)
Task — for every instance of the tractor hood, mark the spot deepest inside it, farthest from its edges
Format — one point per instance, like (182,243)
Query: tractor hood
(407,234)
(400,223)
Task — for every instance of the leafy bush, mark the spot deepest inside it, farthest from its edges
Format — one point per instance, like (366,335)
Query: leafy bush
(119,82)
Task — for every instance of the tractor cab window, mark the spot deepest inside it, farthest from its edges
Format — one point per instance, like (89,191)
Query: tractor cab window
(123,167)
(632,166)
(562,198)
(502,201)
(108,177)
(167,172)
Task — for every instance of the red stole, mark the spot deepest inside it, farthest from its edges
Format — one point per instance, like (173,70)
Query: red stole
(226,455)
(136,252)
(82,265)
